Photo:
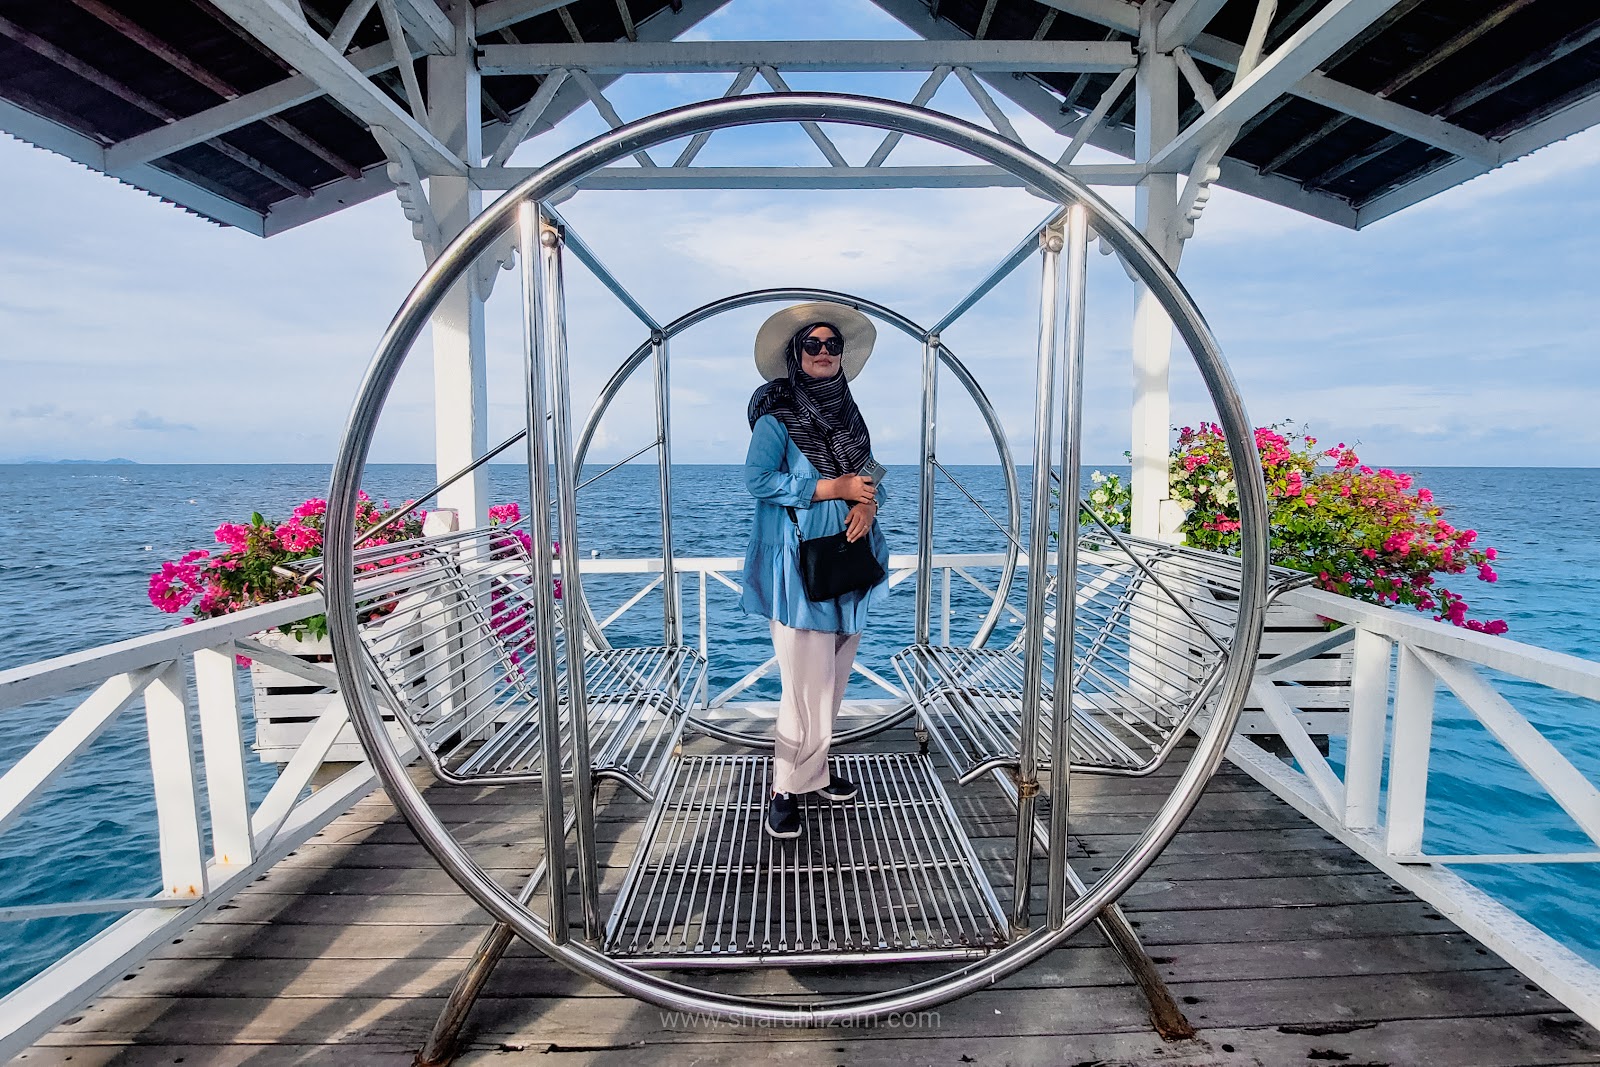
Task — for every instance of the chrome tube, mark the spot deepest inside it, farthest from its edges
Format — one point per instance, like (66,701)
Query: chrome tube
(1038,571)
(671,623)
(1143,261)
(535,353)
(1067,566)
(554,300)
(930,412)
(587,257)
(1013,259)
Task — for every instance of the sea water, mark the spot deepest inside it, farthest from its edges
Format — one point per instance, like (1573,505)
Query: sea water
(78,543)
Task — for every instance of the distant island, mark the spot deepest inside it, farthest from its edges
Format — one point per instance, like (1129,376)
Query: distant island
(31,462)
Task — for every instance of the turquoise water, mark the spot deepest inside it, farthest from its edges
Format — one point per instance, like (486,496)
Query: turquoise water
(77,545)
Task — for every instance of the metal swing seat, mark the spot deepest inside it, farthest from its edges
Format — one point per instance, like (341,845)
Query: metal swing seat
(1153,626)
(449,635)
(497,682)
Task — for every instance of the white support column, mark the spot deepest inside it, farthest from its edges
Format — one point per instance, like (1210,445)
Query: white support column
(460,390)
(1156,215)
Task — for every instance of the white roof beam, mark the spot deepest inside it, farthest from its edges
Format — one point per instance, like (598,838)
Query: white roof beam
(938,177)
(684,57)
(240,111)
(1184,21)
(345,29)
(924,94)
(814,130)
(273,24)
(1310,46)
(531,113)
(496,15)
(428,26)
(980,96)
(737,87)
(1397,118)
(1386,114)
(1027,93)
(1038,101)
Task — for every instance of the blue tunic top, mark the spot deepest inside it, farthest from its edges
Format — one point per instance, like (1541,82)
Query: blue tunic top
(779,475)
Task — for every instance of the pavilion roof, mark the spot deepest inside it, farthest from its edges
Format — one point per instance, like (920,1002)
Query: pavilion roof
(1357,109)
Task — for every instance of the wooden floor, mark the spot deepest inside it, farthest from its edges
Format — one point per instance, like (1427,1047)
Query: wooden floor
(1281,946)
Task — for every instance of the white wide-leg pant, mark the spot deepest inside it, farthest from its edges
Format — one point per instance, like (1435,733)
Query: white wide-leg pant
(815,668)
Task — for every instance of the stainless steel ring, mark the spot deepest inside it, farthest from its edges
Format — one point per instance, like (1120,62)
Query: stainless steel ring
(986,146)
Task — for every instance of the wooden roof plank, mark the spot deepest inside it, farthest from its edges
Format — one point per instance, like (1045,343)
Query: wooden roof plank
(129,95)
(28,125)
(156,46)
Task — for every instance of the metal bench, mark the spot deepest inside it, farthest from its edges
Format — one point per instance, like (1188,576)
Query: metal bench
(1154,623)
(446,622)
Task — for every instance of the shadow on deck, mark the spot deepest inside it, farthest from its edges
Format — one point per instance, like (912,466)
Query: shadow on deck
(1281,945)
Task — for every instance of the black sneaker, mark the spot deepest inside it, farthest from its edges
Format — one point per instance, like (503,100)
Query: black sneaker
(783,816)
(838,789)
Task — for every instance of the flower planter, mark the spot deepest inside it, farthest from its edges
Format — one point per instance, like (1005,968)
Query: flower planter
(1321,693)
(286,706)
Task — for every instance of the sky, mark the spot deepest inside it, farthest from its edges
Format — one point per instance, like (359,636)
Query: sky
(1458,332)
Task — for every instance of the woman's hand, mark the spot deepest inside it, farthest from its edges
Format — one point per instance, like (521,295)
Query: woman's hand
(859,521)
(856,487)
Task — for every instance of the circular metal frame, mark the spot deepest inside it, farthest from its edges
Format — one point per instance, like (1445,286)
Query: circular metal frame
(637,358)
(482,232)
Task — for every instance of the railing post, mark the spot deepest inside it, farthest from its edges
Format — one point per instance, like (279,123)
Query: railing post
(1368,727)
(554,322)
(704,690)
(1051,242)
(183,867)
(671,606)
(944,624)
(535,361)
(930,415)
(222,745)
(1077,238)
(1408,760)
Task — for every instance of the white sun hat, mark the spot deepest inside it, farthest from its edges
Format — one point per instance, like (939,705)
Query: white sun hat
(772,340)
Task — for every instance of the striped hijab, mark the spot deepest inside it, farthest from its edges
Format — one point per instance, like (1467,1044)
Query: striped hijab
(819,413)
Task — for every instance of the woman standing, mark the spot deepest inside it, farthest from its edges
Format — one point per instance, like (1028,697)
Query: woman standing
(808,449)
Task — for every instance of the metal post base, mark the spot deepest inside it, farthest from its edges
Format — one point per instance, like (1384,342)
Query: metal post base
(440,1048)
(1165,1015)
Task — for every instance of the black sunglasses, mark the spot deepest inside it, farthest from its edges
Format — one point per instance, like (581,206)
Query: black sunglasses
(814,345)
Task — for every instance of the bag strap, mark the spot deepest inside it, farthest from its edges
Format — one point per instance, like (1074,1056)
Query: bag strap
(794,520)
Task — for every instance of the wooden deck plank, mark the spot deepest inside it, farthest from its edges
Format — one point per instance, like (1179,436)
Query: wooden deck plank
(1283,946)
(1517,1041)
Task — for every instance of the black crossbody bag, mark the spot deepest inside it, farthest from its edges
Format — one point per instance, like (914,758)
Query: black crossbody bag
(834,565)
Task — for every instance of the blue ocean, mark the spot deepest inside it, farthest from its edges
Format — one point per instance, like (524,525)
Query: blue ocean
(78,543)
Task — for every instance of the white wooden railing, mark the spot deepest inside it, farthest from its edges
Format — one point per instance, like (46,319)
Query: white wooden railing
(245,838)
(1399,662)
(1378,806)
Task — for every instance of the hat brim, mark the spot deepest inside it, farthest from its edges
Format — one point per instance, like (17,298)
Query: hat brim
(772,340)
